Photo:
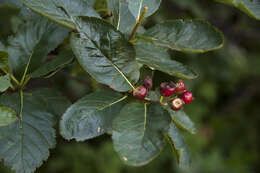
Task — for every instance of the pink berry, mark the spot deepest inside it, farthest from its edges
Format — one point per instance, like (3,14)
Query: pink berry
(167,89)
(187,97)
(140,92)
(176,104)
(180,87)
(148,82)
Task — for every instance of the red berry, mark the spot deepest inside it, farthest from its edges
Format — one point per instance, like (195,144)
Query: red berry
(167,89)
(187,97)
(180,87)
(140,92)
(148,82)
(176,104)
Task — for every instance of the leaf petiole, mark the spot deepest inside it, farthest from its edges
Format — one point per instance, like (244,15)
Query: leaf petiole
(11,76)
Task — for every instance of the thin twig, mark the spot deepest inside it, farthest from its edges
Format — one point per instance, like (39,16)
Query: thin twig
(138,23)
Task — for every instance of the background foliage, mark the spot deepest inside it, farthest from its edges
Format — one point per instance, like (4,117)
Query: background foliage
(226,109)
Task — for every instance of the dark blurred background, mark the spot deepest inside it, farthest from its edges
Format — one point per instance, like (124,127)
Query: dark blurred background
(226,109)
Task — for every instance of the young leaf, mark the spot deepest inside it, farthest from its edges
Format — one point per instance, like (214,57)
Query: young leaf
(54,10)
(35,39)
(136,6)
(138,132)
(181,119)
(158,59)
(4,82)
(62,60)
(185,35)
(179,146)
(3,59)
(25,144)
(123,19)
(105,54)
(91,116)
(250,7)
(7,116)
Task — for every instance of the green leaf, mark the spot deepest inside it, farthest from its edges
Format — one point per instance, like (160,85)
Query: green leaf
(182,120)
(91,116)
(4,82)
(138,132)
(250,7)
(60,61)
(123,19)
(7,116)
(54,10)
(25,144)
(3,59)
(195,36)
(2,46)
(11,3)
(137,6)
(144,73)
(53,100)
(153,96)
(105,54)
(157,58)
(35,39)
(179,146)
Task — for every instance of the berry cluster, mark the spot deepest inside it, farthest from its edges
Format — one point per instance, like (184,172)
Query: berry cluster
(141,91)
(167,89)
(179,89)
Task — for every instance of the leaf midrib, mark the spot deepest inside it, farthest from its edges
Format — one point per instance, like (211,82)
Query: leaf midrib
(50,17)
(103,107)
(110,61)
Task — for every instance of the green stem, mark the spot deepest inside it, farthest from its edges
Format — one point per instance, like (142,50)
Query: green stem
(161,99)
(12,76)
(138,23)
(11,86)
(102,10)
(124,77)
(25,79)
(21,106)
(151,39)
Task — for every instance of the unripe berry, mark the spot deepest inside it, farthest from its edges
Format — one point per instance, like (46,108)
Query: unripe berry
(148,82)
(176,104)
(140,92)
(187,97)
(167,89)
(180,87)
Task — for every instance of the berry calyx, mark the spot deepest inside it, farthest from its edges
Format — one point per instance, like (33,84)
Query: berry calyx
(148,82)
(176,104)
(180,87)
(187,97)
(167,89)
(140,92)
